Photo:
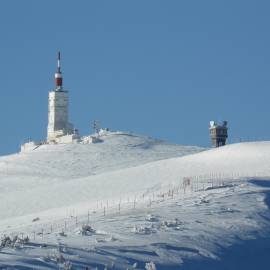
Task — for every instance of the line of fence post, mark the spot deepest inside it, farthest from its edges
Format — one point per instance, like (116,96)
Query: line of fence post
(186,184)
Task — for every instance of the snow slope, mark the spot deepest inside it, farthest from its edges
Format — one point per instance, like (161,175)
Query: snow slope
(203,204)
(117,151)
(54,176)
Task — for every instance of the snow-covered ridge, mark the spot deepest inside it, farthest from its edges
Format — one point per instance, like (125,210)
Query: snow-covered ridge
(60,175)
(54,183)
(116,151)
(57,176)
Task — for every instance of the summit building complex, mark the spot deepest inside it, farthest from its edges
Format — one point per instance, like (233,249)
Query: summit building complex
(59,128)
(61,131)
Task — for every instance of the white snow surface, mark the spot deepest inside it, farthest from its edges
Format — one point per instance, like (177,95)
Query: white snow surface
(54,176)
(181,207)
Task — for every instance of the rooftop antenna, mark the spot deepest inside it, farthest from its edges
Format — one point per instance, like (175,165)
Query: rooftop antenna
(58,74)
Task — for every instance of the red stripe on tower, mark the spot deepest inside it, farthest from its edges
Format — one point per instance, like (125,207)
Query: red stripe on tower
(58,74)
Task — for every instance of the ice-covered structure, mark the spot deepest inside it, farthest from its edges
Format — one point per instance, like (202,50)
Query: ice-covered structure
(59,128)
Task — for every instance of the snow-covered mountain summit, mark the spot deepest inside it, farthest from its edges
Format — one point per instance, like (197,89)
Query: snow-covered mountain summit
(116,150)
(146,200)
(32,181)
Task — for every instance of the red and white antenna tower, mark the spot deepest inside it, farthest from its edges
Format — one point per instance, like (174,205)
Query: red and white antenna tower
(58,74)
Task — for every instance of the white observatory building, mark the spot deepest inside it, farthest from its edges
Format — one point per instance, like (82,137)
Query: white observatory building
(59,129)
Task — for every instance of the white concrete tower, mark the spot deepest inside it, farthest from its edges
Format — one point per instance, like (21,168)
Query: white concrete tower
(58,124)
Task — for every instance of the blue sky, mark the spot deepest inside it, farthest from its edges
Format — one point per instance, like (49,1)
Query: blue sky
(160,68)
